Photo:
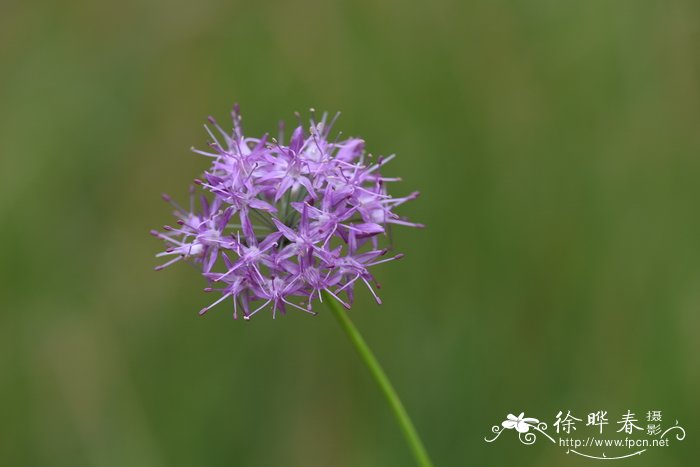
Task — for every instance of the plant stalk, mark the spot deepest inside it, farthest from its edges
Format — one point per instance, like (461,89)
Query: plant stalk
(368,358)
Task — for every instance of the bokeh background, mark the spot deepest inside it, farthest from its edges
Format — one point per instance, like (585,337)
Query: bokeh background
(557,147)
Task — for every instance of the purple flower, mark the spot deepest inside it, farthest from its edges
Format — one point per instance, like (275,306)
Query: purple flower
(278,224)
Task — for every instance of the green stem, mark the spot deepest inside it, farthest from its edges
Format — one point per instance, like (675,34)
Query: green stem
(409,431)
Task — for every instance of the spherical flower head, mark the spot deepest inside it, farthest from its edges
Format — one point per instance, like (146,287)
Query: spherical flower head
(272,225)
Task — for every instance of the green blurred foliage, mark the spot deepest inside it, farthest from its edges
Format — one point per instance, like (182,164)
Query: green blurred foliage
(557,147)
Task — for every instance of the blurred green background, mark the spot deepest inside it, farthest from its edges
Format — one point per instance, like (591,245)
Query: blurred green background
(557,147)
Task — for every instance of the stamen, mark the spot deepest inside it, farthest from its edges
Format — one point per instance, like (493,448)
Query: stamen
(207,308)
(172,261)
(247,317)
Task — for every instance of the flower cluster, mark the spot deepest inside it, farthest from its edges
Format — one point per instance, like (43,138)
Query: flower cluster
(278,224)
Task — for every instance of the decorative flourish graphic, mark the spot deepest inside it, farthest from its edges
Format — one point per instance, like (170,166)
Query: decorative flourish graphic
(680,436)
(566,426)
(606,458)
(522,425)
